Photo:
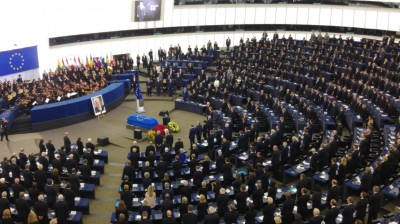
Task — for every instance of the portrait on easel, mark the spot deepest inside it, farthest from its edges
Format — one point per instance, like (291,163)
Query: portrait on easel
(98,105)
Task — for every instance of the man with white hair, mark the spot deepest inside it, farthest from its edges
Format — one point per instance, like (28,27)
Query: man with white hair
(41,209)
(134,146)
(61,210)
(43,160)
(212,217)
(90,145)
(71,163)
(4,186)
(222,202)
(4,203)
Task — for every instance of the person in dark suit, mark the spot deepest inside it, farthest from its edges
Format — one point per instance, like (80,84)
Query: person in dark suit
(366,180)
(17,187)
(222,202)
(287,208)
(166,205)
(169,219)
(61,210)
(50,149)
(227,172)
(127,197)
(86,172)
(212,217)
(178,145)
(71,163)
(228,43)
(361,206)
(192,135)
(28,177)
(302,201)
(41,209)
(332,213)
(67,143)
(186,191)
(73,179)
(4,128)
(348,211)
(333,192)
(269,211)
(69,196)
(276,161)
(22,207)
(40,177)
(257,196)
(232,215)
(189,217)
(199,131)
(4,203)
(134,157)
(375,202)
(241,198)
(317,218)
(51,193)
(198,177)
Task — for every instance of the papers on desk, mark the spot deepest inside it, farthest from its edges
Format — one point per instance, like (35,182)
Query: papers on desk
(138,217)
(135,200)
(77,198)
(96,161)
(82,185)
(73,213)
(227,191)
(279,190)
(93,172)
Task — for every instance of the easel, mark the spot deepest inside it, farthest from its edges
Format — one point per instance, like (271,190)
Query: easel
(100,116)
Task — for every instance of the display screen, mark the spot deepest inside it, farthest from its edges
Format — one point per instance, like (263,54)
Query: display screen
(146,10)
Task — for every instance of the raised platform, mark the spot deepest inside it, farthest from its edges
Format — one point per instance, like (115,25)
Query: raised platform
(55,115)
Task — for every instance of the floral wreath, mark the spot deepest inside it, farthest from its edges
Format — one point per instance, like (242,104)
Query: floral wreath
(173,127)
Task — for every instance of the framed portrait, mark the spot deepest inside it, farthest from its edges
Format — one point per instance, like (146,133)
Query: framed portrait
(98,105)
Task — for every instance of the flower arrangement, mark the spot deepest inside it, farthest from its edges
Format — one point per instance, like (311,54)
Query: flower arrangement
(151,135)
(173,127)
(161,128)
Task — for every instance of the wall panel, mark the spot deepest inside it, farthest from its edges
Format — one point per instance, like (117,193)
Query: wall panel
(210,18)
(370,19)
(260,15)
(302,16)
(240,15)
(270,15)
(292,19)
(336,18)
(313,16)
(383,20)
(220,16)
(280,17)
(250,15)
(325,17)
(348,18)
(230,15)
(359,18)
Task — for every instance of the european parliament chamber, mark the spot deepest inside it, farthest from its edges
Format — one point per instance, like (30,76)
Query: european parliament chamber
(200,111)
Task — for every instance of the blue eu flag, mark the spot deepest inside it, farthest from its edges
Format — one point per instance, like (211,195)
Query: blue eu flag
(18,60)
(139,95)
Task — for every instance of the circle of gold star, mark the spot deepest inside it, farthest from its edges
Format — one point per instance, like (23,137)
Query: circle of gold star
(14,67)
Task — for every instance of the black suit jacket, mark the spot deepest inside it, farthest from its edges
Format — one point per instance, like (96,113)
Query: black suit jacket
(211,218)
(331,214)
(222,203)
(23,208)
(170,220)
(361,208)
(348,213)
(269,213)
(188,218)
(333,193)
(62,211)
(375,201)
(316,220)
(231,217)
(4,204)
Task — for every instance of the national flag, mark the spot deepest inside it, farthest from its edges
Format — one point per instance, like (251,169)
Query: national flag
(103,62)
(66,61)
(79,61)
(107,61)
(63,64)
(139,95)
(59,66)
(91,61)
(87,61)
(75,61)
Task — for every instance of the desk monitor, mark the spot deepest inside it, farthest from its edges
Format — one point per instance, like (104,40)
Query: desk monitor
(98,105)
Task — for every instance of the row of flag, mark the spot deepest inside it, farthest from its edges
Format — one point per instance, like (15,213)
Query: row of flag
(89,62)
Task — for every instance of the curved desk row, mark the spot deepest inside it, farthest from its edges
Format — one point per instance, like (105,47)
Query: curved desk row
(73,111)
